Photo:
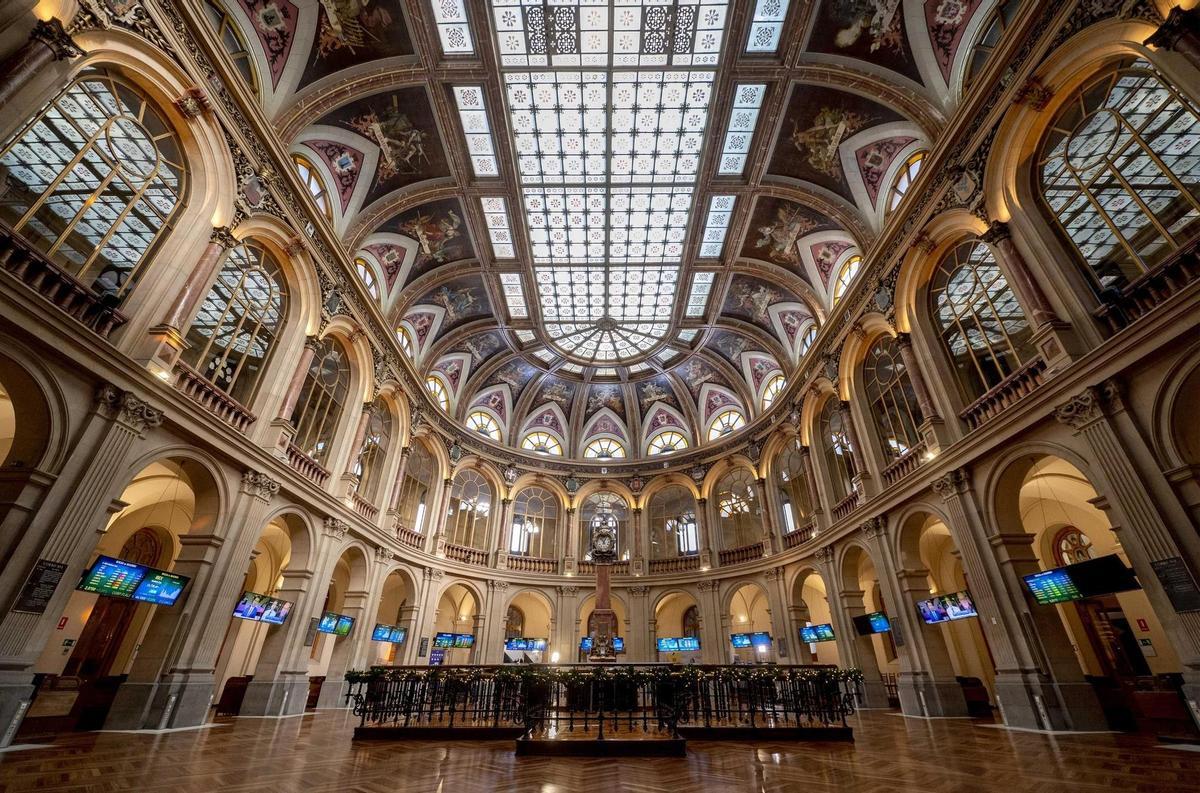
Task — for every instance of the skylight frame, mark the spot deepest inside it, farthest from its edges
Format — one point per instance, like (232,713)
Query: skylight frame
(766,26)
(471,101)
(739,132)
(716,226)
(499,226)
(454,29)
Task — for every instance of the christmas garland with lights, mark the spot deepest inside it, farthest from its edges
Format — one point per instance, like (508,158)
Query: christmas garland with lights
(688,675)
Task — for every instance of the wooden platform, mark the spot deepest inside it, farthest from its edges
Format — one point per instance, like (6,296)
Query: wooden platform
(609,747)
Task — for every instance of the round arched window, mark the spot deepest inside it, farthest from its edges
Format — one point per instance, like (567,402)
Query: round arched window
(845,276)
(726,422)
(666,442)
(542,443)
(484,424)
(603,449)
(437,389)
(774,388)
(316,188)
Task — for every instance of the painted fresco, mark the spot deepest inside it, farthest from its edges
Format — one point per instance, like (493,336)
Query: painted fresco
(482,346)
(352,32)
(749,298)
(817,121)
(947,21)
(605,395)
(391,258)
(656,389)
(776,226)
(557,390)
(439,231)
(869,30)
(464,299)
(695,373)
(731,345)
(401,124)
(875,158)
(344,163)
(275,24)
(516,374)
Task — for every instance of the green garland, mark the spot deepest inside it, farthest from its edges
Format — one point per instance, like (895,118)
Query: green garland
(639,675)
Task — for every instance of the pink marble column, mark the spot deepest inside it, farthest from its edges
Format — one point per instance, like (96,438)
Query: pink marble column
(48,42)
(1180,33)
(856,451)
(359,435)
(297,384)
(195,288)
(924,401)
(1028,290)
(810,480)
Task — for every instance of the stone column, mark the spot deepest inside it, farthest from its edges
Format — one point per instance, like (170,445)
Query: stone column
(784,638)
(639,646)
(431,584)
(714,647)
(815,495)
(392,498)
(350,480)
(857,453)
(1153,527)
(571,543)
(702,529)
(932,428)
(771,539)
(843,631)
(501,540)
(437,537)
(1179,33)
(407,619)
(48,42)
(354,604)
(283,421)
(637,564)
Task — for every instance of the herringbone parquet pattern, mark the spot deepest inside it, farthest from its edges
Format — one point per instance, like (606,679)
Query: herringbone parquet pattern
(315,755)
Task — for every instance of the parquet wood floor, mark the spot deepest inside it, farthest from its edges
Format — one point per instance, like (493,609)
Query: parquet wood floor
(315,755)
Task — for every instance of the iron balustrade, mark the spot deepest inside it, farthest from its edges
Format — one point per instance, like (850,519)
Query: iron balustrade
(603,701)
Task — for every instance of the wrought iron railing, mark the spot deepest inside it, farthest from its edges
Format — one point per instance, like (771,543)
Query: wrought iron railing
(595,701)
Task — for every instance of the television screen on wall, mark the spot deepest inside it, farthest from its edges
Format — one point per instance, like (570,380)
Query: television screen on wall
(160,588)
(344,625)
(113,577)
(666,645)
(443,640)
(1106,575)
(382,633)
(1052,586)
(328,623)
(944,608)
(689,644)
(398,635)
(739,640)
(760,639)
(262,608)
(812,634)
(875,622)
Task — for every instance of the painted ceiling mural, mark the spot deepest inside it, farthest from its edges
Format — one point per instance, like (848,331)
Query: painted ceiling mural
(476,213)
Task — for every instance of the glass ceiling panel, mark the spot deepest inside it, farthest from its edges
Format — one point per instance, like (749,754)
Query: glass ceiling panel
(608,102)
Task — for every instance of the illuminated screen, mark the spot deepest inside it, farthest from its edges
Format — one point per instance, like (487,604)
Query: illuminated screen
(443,640)
(159,588)
(262,608)
(1052,586)
(688,644)
(875,622)
(760,639)
(398,635)
(113,577)
(739,639)
(328,623)
(344,624)
(668,645)
(382,633)
(817,633)
(943,608)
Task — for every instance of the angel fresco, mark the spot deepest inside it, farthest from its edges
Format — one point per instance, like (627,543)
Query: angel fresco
(779,237)
(401,145)
(457,302)
(877,20)
(755,300)
(820,141)
(350,24)
(433,235)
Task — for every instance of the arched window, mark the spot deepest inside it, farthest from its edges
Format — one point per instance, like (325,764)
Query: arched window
(845,277)
(535,524)
(231,39)
(413,500)
(666,442)
(737,509)
(772,391)
(673,530)
(997,22)
(484,423)
(603,449)
(367,275)
(1072,546)
(237,324)
(835,445)
(470,506)
(320,404)
(405,340)
(605,502)
(981,323)
(376,441)
(904,179)
(94,180)
(542,443)
(312,181)
(1120,172)
(691,621)
(795,497)
(726,422)
(806,340)
(514,623)
(893,401)
(437,389)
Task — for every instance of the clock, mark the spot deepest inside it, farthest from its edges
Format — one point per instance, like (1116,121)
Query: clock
(604,538)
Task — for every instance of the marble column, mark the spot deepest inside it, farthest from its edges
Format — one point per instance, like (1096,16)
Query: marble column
(48,42)
(702,529)
(283,421)
(820,512)
(932,428)
(861,475)
(771,540)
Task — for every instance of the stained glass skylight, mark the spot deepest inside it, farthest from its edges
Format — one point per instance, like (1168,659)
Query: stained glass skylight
(747,100)
(495,212)
(514,296)
(453,29)
(698,298)
(608,102)
(767,25)
(473,113)
(720,210)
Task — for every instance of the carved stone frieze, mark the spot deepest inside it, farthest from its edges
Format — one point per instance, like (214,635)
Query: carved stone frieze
(1087,406)
(130,410)
(336,528)
(259,485)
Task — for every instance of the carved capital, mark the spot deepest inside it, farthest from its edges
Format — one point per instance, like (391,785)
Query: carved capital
(312,343)
(336,528)
(1034,94)
(128,409)
(824,555)
(259,485)
(951,484)
(193,103)
(873,528)
(569,590)
(707,586)
(383,555)
(639,591)
(924,243)
(52,33)
(997,232)
(1088,406)
(904,341)
(432,574)
(774,573)
(223,236)
(1180,25)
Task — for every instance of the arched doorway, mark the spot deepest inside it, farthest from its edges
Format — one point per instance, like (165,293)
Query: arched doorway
(749,615)
(677,617)
(397,612)
(585,625)
(529,620)
(457,615)
(810,609)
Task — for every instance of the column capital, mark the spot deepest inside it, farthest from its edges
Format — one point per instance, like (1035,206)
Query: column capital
(638,591)
(874,528)
(708,586)
(131,410)
(825,554)
(312,343)
(384,555)
(223,236)
(997,231)
(259,485)
(1090,405)
(432,573)
(52,33)
(774,573)
(903,340)
(568,590)
(336,528)
(1178,26)
(950,485)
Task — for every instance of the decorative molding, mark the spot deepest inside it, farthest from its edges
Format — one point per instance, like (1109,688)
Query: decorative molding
(1088,406)
(708,586)
(336,528)
(52,33)
(951,484)
(193,103)
(384,555)
(259,485)
(133,411)
(824,555)
(874,528)
(1034,94)
(638,591)
(569,591)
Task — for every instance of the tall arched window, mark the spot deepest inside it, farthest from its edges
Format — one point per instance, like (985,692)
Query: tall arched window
(233,42)
(320,404)
(666,442)
(437,389)
(795,497)
(312,181)
(737,509)
(904,179)
(470,506)
(807,338)
(405,340)
(238,322)
(376,441)
(997,22)
(603,449)
(845,277)
(1120,171)
(367,276)
(726,421)
(835,445)
(484,423)
(981,323)
(94,180)
(893,401)
(413,500)
(606,502)
(673,530)
(774,388)
(535,524)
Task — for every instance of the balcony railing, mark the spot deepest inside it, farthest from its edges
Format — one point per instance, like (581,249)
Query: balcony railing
(746,553)
(461,553)
(618,568)
(680,564)
(364,507)
(410,538)
(1140,297)
(801,535)
(57,286)
(305,465)
(197,388)
(532,564)
(905,464)
(1007,393)
(846,506)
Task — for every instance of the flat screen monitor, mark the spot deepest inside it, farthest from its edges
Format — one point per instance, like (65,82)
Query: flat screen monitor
(689,644)
(875,622)
(344,625)
(382,633)
(160,588)
(1105,575)
(277,611)
(398,635)
(812,634)
(464,640)
(538,645)
(516,645)
(113,577)
(328,623)
(618,644)
(760,639)
(944,608)
(739,639)
(668,645)
(585,644)
(1052,586)
(443,640)
(251,606)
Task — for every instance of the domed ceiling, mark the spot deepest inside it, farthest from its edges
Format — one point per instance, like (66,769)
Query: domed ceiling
(605,220)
